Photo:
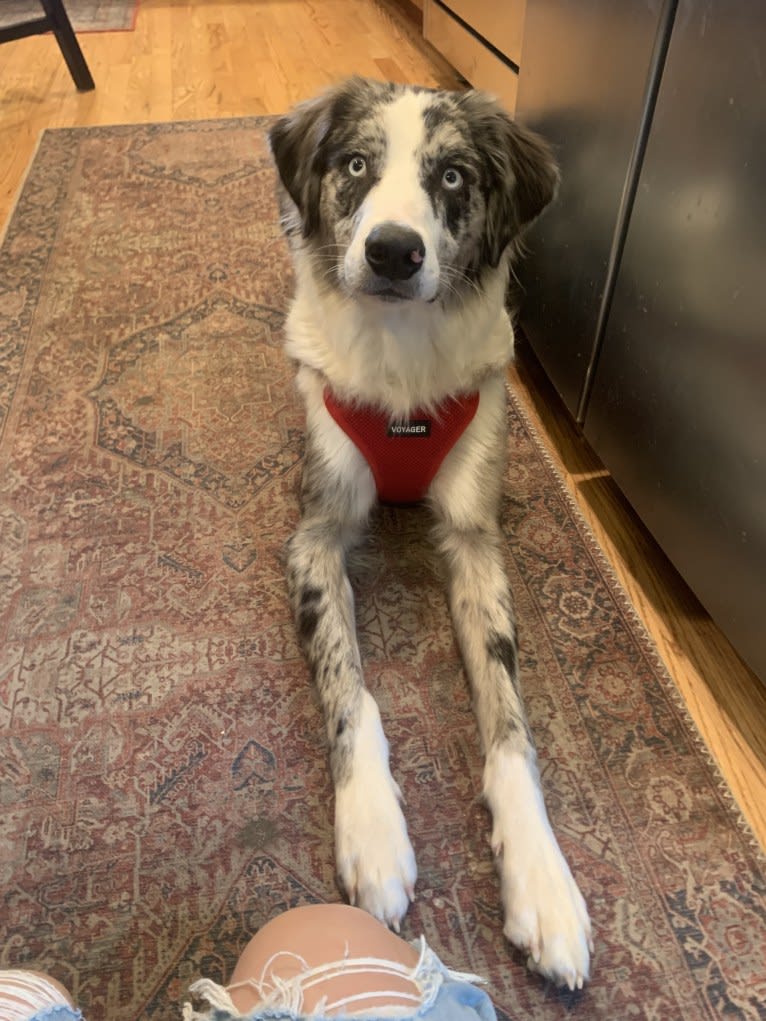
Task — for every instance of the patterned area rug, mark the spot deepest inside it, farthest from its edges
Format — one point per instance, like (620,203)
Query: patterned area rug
(85,15)
(163,779)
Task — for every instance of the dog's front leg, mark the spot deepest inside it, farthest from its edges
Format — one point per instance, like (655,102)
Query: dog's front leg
(545,913)
(375,860)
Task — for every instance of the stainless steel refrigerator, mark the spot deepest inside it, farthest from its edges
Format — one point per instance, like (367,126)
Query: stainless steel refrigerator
(645,286)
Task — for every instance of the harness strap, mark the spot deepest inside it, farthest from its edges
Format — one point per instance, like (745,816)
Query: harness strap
(404,455)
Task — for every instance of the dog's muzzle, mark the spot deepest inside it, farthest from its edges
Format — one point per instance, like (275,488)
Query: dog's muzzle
(394,252)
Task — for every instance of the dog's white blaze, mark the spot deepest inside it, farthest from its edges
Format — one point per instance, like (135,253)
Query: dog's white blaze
(399,196)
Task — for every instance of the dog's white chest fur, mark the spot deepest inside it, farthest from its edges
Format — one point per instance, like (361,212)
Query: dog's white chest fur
(397,356)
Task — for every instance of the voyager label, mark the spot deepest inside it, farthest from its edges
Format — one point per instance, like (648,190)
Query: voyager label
(416,428)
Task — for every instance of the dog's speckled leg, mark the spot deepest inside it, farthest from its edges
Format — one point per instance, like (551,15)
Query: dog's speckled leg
(375,860)
(545,913)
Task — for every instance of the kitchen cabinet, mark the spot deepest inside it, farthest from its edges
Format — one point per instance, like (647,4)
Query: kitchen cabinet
(481,39)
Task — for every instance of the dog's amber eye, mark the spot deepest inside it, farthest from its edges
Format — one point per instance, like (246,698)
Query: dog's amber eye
(357,166)
(452,179)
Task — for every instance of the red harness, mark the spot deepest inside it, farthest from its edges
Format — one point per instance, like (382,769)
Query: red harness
(404,456)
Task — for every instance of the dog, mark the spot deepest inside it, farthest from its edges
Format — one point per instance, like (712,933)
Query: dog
(404,208)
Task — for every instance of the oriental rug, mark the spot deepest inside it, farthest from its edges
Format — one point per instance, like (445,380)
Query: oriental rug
(163,780)
(85,15)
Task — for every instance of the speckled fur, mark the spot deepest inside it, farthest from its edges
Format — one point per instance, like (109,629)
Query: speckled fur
(442,332)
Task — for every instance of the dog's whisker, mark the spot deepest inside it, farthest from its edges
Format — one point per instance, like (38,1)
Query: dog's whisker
(463,277)
(515,276)
(454,275)
(330,245)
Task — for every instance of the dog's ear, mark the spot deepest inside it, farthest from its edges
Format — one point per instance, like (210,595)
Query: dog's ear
(296,144)
(301,142)
(522,173)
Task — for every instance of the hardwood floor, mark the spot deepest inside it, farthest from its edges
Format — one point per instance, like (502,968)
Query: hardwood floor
(222,58)
(201,59)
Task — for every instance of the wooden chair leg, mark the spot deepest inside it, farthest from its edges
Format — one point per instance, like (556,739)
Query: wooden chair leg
(70,48)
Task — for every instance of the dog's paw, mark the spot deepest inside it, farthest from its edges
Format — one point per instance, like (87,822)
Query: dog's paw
(545,913)
(376,863)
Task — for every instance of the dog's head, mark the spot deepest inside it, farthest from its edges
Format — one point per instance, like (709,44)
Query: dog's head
(407,194)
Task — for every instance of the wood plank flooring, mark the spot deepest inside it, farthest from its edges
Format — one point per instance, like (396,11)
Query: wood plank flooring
(220,58)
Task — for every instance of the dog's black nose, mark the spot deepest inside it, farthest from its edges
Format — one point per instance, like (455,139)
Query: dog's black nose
(394,252)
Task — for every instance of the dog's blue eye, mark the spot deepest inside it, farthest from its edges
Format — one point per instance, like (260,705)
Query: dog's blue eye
(357,166)
(452,179)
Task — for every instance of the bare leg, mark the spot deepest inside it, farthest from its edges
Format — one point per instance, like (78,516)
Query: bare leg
(318,934)
(24,994)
